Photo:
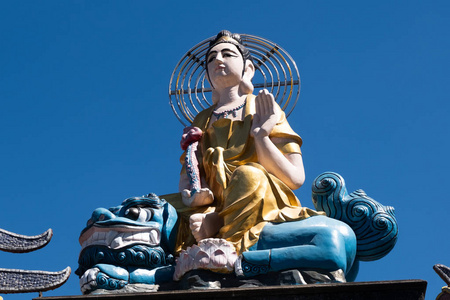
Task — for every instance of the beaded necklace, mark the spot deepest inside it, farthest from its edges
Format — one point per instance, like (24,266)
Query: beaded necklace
(233,111)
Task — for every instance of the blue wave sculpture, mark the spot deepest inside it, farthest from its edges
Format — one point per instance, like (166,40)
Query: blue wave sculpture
(374,224)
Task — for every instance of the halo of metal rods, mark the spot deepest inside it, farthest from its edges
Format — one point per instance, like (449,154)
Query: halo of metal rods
(275,71)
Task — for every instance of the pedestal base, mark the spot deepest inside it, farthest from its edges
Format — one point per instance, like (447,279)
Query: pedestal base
(386,290)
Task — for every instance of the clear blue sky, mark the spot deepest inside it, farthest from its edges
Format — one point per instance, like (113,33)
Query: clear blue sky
(85,120)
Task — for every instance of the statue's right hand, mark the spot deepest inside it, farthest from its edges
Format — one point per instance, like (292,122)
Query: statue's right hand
(205,225)
(197,227)
(267,114)
(202,197)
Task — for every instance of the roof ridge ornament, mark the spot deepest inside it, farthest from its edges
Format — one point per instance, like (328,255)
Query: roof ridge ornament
(27,281)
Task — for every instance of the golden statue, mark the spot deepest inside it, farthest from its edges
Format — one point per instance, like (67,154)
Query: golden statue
(249,157)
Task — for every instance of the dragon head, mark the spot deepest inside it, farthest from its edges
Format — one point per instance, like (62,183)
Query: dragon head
(145,224)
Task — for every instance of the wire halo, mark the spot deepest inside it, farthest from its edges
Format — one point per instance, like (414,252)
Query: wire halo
(275,71)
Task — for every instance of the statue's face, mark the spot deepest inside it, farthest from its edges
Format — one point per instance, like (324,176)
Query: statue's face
(225,65)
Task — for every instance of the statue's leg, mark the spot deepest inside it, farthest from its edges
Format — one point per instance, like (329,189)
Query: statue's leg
(153,276)
(252,198)
(314,243)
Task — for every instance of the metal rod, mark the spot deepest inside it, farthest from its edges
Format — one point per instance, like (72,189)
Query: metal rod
(256,85)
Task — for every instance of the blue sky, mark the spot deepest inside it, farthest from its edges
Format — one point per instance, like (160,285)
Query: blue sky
(85,120)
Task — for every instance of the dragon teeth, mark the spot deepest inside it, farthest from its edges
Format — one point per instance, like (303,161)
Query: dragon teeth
(141,237)
(102,236)
(116,239)
(154,237)
(110,236)
(117,242)
(127,237)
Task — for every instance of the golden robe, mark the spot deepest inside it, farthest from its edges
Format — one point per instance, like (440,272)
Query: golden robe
(245,194)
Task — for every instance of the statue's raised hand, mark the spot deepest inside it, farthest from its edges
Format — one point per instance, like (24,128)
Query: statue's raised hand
(267,114)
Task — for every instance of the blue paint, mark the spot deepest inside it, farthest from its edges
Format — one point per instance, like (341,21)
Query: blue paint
(158,275)
(105,281)
(374,224)
(136,255)
(138,262)
(315,243)
(357,228)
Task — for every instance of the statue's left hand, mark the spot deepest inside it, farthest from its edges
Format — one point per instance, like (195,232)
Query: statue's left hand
(267,114)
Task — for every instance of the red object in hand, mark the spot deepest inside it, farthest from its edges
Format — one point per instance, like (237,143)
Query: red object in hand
(190,135)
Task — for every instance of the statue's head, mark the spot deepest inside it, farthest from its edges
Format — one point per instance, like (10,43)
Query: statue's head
(233,43)
(233,38)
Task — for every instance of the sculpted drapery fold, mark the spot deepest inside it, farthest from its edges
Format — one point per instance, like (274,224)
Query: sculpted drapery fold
(246,195)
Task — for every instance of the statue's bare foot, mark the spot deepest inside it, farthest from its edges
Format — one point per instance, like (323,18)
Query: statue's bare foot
(202,197)
(205,225)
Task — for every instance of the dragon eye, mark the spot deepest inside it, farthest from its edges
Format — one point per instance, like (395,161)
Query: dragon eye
(146,214)
(139,214)
(132,213)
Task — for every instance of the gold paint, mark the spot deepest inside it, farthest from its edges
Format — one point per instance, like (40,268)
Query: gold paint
(246,195)
(226,39)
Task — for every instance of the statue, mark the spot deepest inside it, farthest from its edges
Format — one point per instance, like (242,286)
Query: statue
(251,158)
(235,212)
